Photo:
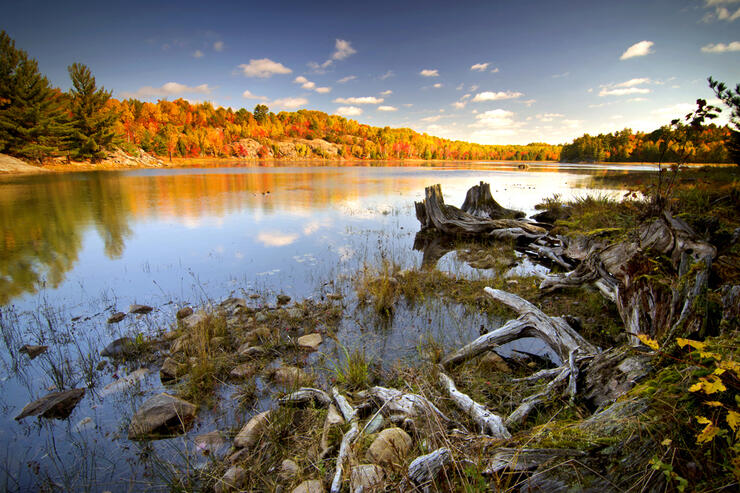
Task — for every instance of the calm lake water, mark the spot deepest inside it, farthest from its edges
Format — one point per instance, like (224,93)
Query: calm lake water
(76,247)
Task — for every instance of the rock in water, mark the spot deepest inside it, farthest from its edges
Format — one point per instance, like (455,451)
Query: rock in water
(116,317)
(125,382)
(161,415)
(171,370)
(283,299)
(390,448)
(310,341)
(118,348)
(140,309)
(234,480)
(57,405)
(184,312)
(33,351)
(252,431)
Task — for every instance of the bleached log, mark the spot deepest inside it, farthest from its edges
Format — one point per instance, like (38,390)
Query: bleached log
(529,403)
(396,402)
(573,377)
(350,415)
(549,253)
(525,459)
(489,423)
(304,396)
(425,468)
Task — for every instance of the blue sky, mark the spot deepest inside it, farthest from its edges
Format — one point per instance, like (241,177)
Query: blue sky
(486,71)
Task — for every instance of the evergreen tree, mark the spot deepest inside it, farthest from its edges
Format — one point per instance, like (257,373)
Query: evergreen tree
(731,99)
(33,117)
(260,113)
(93,124)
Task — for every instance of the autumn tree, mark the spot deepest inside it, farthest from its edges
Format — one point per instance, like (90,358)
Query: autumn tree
(33,121)
(93,123)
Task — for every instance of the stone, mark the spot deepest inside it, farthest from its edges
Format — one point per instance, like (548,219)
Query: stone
(124,383)
(252,431)
(289,470)
(375,424)
(260,334)
(243,371)
(184,312)
(116,317)
(283,299)
(211,443)
(248,351)
(57,405)
(333,418)
(33,351)
(192,320)
(310,341)
(493,362)
(310,486)
(390,447)
(366,478)
(140,309)
(233,480)
(160,415)
(171,370)
(290,376)
(118,348)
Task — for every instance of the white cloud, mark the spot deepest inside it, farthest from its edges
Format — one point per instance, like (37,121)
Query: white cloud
(431,119)
(638,49)
(459,104)
(480,67)
(344,80)
(276,238)
(349,111)
(323,90)
(198,54)
(548,117)
(496,96)
(676,110)
(495,70)
(387,108)
(636,100)
(290,103)
(474,88)
(528,102)
(305,83)
(460,87)
(633,82)
(263,68)
(248,95)
(721,47)
(429,73)
(559,76)
(342,50)
(387,75)
(168,89)
(218,46)
(624,91)
(386,93)
(360,100)
(437,85)
(724,15)
(494,126)
(494,119)
(711,3)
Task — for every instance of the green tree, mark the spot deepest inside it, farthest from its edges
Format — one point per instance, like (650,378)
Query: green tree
(33,120)
(260,112)
(732,100)
(93,124)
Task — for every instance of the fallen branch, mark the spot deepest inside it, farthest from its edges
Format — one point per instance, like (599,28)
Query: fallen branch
(350,415)
(304,396)
(489,423)
(425,468)
(399,403)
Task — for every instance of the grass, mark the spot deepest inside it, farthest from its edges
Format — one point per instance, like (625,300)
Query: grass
(353,370)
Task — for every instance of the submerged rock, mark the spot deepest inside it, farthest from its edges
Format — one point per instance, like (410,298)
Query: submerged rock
(161,415)
(211,443)
(116,317)
(234,480)
(125,382)
(367,478)
(310,341)
(140,309)
(310,486)
(58,405)
(184,312)
(290,376)
(33,351)
(390,447)
(252,431)
(118,348)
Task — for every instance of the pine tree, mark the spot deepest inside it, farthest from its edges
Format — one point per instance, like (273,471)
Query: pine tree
(732,100)
(33,117)
(93,124)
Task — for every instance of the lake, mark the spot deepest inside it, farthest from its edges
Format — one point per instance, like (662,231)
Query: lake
(77,247)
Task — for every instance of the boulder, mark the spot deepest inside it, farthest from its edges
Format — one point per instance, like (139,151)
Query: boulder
(390,447)
(124,383)
(333,418)
(192,320)
(140,309)
(310,341)
(119,348)
(366,478)
(260,334)
(234,480)
(179,344)
(116,317)
(252,431)
(310,486)
(161,415)
(33,351)
(58,405)
(171,370)
(184,312)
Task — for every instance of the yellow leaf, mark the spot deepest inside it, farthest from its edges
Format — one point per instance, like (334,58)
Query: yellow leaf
(702,420)
(730,366)
(707,354)
(708,433)
(708,385)
(718,371)
(666,442)
(695,344)
(651,343)
(733,419)
(713,403)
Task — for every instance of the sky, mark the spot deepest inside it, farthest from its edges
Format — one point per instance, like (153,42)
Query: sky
(491,72)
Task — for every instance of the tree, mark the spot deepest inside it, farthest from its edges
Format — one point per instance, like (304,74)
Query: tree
(93,123)
(732,100)
(260,113)
(33,121)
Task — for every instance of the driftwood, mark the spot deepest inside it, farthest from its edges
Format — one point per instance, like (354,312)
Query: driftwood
(529,403)
(526,459)
(398,406)
(623,271)
(350,415)
(479,202)
(434,214)
(306,396)
(489,423)
(425,468)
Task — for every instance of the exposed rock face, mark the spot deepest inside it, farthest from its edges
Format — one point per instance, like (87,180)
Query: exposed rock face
(12,165)
(234,480)
(310,341)
(160,415)
(390,447)
(252,431)
(310,486)
(33,351)
(367,478)
(116,317)
(184,312)
(140,309)
(57,405)
(118,348)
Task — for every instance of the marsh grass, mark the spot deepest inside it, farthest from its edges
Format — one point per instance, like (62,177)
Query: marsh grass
(353,368)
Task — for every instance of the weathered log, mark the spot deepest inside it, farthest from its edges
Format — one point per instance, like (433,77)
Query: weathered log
(489,423)
(526,459)
(399,405)
(425,468)
(350,415)
(529,403)
(479,202)
(573,377)
(305,396)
